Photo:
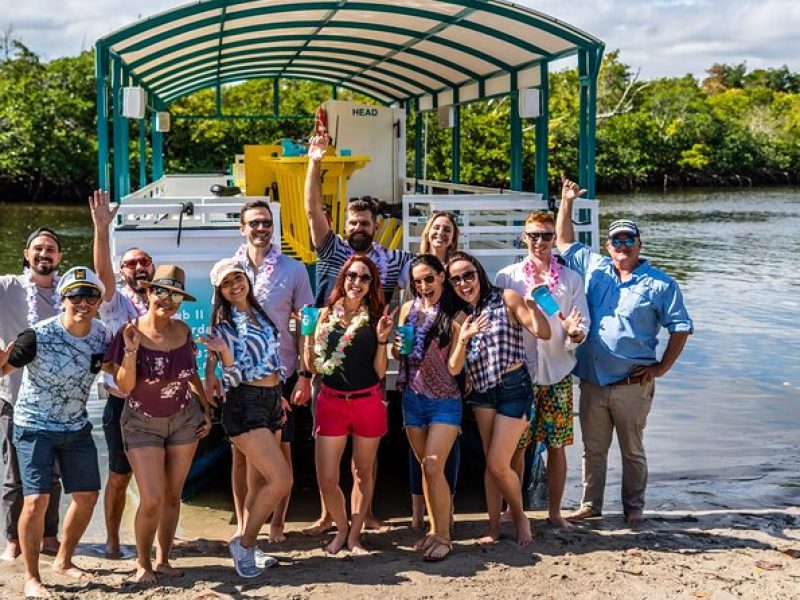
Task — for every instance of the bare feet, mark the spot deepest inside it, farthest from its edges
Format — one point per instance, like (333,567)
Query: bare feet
(112,551)
(372,523)
(556,520)
(145,576)
(506,517)
(524,536)
(276,535)
(337,543)
(357,549)
(320,526)
(583,513)
(417,523)
(34,589)
(634,518)
(489,538)
(168,570)
(70,570)
(50,546)
(11,552)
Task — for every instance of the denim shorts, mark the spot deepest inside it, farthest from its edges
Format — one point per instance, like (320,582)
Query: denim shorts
(512,397)
(250,407)
(422,411)
(74,451)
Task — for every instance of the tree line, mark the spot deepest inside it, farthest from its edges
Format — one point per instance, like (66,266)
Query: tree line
(734,127)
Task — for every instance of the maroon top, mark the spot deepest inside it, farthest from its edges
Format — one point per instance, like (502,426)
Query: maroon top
(162,378)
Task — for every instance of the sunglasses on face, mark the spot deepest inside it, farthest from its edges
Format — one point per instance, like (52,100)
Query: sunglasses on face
(145,261)
(90,300)
(618,243)
(428,279)
(256,223)
(163,294)
(467,277)
(535,236)
(352,277)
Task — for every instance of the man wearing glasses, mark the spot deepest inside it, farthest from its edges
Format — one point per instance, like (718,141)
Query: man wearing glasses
(62,356)
(630,301)
(121,303)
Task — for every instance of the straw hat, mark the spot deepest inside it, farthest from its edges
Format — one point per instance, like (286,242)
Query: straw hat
(172,278)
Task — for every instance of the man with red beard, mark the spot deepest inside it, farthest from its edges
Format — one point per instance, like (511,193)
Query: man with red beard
(26,299)
(121,303)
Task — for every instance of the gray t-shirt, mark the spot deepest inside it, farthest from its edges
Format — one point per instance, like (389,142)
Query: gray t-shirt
(14,320)
(59,371)
(289,289)
(114,314)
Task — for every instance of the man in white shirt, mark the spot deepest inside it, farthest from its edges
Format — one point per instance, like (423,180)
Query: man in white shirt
(550,361)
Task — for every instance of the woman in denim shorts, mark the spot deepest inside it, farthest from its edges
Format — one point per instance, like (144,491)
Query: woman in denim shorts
(489,343)
(431,396)
(348,349)
(246,342)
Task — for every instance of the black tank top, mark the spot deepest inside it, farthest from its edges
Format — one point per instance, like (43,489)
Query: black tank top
(356,371)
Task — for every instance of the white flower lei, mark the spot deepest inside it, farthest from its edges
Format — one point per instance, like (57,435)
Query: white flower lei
(379,259)
(262,274)
(31,292)
(327,367)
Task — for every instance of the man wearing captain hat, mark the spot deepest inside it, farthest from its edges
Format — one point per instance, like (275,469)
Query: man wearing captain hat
(62,356)
(630,301)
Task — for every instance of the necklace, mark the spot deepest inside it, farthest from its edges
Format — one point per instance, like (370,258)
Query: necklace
(421,330)
(334,361)
(30,296)
(551,279)
(259,275)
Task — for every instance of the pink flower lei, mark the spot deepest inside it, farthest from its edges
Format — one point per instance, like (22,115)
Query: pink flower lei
(262,274)
(551,279)
(136,299)
(30,296)
(334,361)
(421,331)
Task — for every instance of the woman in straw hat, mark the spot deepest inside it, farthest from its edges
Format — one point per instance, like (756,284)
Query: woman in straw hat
(154,366)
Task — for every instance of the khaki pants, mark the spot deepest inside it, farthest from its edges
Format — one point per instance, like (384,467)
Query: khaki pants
(604,409)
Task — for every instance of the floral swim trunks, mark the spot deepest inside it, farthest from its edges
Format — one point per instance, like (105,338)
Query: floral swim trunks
(553,424)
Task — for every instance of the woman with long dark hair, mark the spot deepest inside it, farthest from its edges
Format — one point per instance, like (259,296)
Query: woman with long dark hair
(431,395)
(349,350)
(246,342)
(490,341)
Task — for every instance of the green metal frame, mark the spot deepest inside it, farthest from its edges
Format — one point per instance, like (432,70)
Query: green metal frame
(150,53)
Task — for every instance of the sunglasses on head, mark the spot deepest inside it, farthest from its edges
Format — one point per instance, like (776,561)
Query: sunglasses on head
(90,300)
(535,236)
(163,294)
(256,223)
(352,277)
(145,261)
(428,279)
(467,277)
(628,242)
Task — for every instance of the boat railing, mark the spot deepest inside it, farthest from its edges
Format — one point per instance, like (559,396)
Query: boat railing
(429,186)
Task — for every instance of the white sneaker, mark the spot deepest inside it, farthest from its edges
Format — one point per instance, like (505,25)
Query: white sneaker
(244,559)
(264,560)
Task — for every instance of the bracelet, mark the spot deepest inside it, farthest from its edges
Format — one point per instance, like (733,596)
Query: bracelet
(306,374)
(130,351)
(383,343)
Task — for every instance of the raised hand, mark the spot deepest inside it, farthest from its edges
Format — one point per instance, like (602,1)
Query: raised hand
(4,354)
(572,324)
(100,207)
(317,146)
(472,326)
(570,190)
(213,342)
(385,324)
(132,336)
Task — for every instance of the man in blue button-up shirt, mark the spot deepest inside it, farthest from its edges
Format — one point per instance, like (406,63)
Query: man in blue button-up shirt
(629,302)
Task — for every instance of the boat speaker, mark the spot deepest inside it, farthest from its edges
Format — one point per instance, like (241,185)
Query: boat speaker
(162,122)
(134,102)
(529,103)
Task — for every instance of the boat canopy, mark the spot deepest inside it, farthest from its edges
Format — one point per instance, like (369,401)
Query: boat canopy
(420,54)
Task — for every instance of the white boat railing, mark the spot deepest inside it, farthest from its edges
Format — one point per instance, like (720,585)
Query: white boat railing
(429,186)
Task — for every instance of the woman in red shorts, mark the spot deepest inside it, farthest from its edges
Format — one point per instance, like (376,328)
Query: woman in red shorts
(349,350)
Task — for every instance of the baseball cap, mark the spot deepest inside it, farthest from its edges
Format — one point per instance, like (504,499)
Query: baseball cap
(224,267)
(80,281)
(623,226)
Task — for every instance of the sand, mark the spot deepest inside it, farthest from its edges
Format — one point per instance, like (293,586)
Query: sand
(707,554)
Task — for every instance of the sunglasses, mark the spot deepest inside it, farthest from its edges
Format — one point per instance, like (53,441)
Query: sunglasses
(428,279)
(163,294)
(535,236)
(145,261)
(256,223)
(618,243)
(352,277)
(90,300)
(467,277)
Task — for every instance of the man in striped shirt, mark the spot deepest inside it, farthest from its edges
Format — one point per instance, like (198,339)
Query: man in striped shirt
(360,229)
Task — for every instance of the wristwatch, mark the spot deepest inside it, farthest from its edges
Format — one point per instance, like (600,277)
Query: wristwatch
(306,374)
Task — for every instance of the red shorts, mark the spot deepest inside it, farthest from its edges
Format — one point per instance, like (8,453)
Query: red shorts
(360,412)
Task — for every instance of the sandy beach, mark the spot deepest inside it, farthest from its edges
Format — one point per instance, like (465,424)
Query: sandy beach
(705,554)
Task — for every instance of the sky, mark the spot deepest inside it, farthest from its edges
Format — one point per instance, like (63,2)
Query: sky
(659,37)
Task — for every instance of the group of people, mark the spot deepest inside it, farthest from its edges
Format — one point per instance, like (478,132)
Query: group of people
(460,338)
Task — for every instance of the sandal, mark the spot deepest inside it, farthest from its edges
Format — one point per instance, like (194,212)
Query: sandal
(437,551)
(422,545)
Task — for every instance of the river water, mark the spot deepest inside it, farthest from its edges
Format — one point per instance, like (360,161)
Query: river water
(723,431)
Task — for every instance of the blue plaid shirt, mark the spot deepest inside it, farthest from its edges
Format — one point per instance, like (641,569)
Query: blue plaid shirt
(626,316)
